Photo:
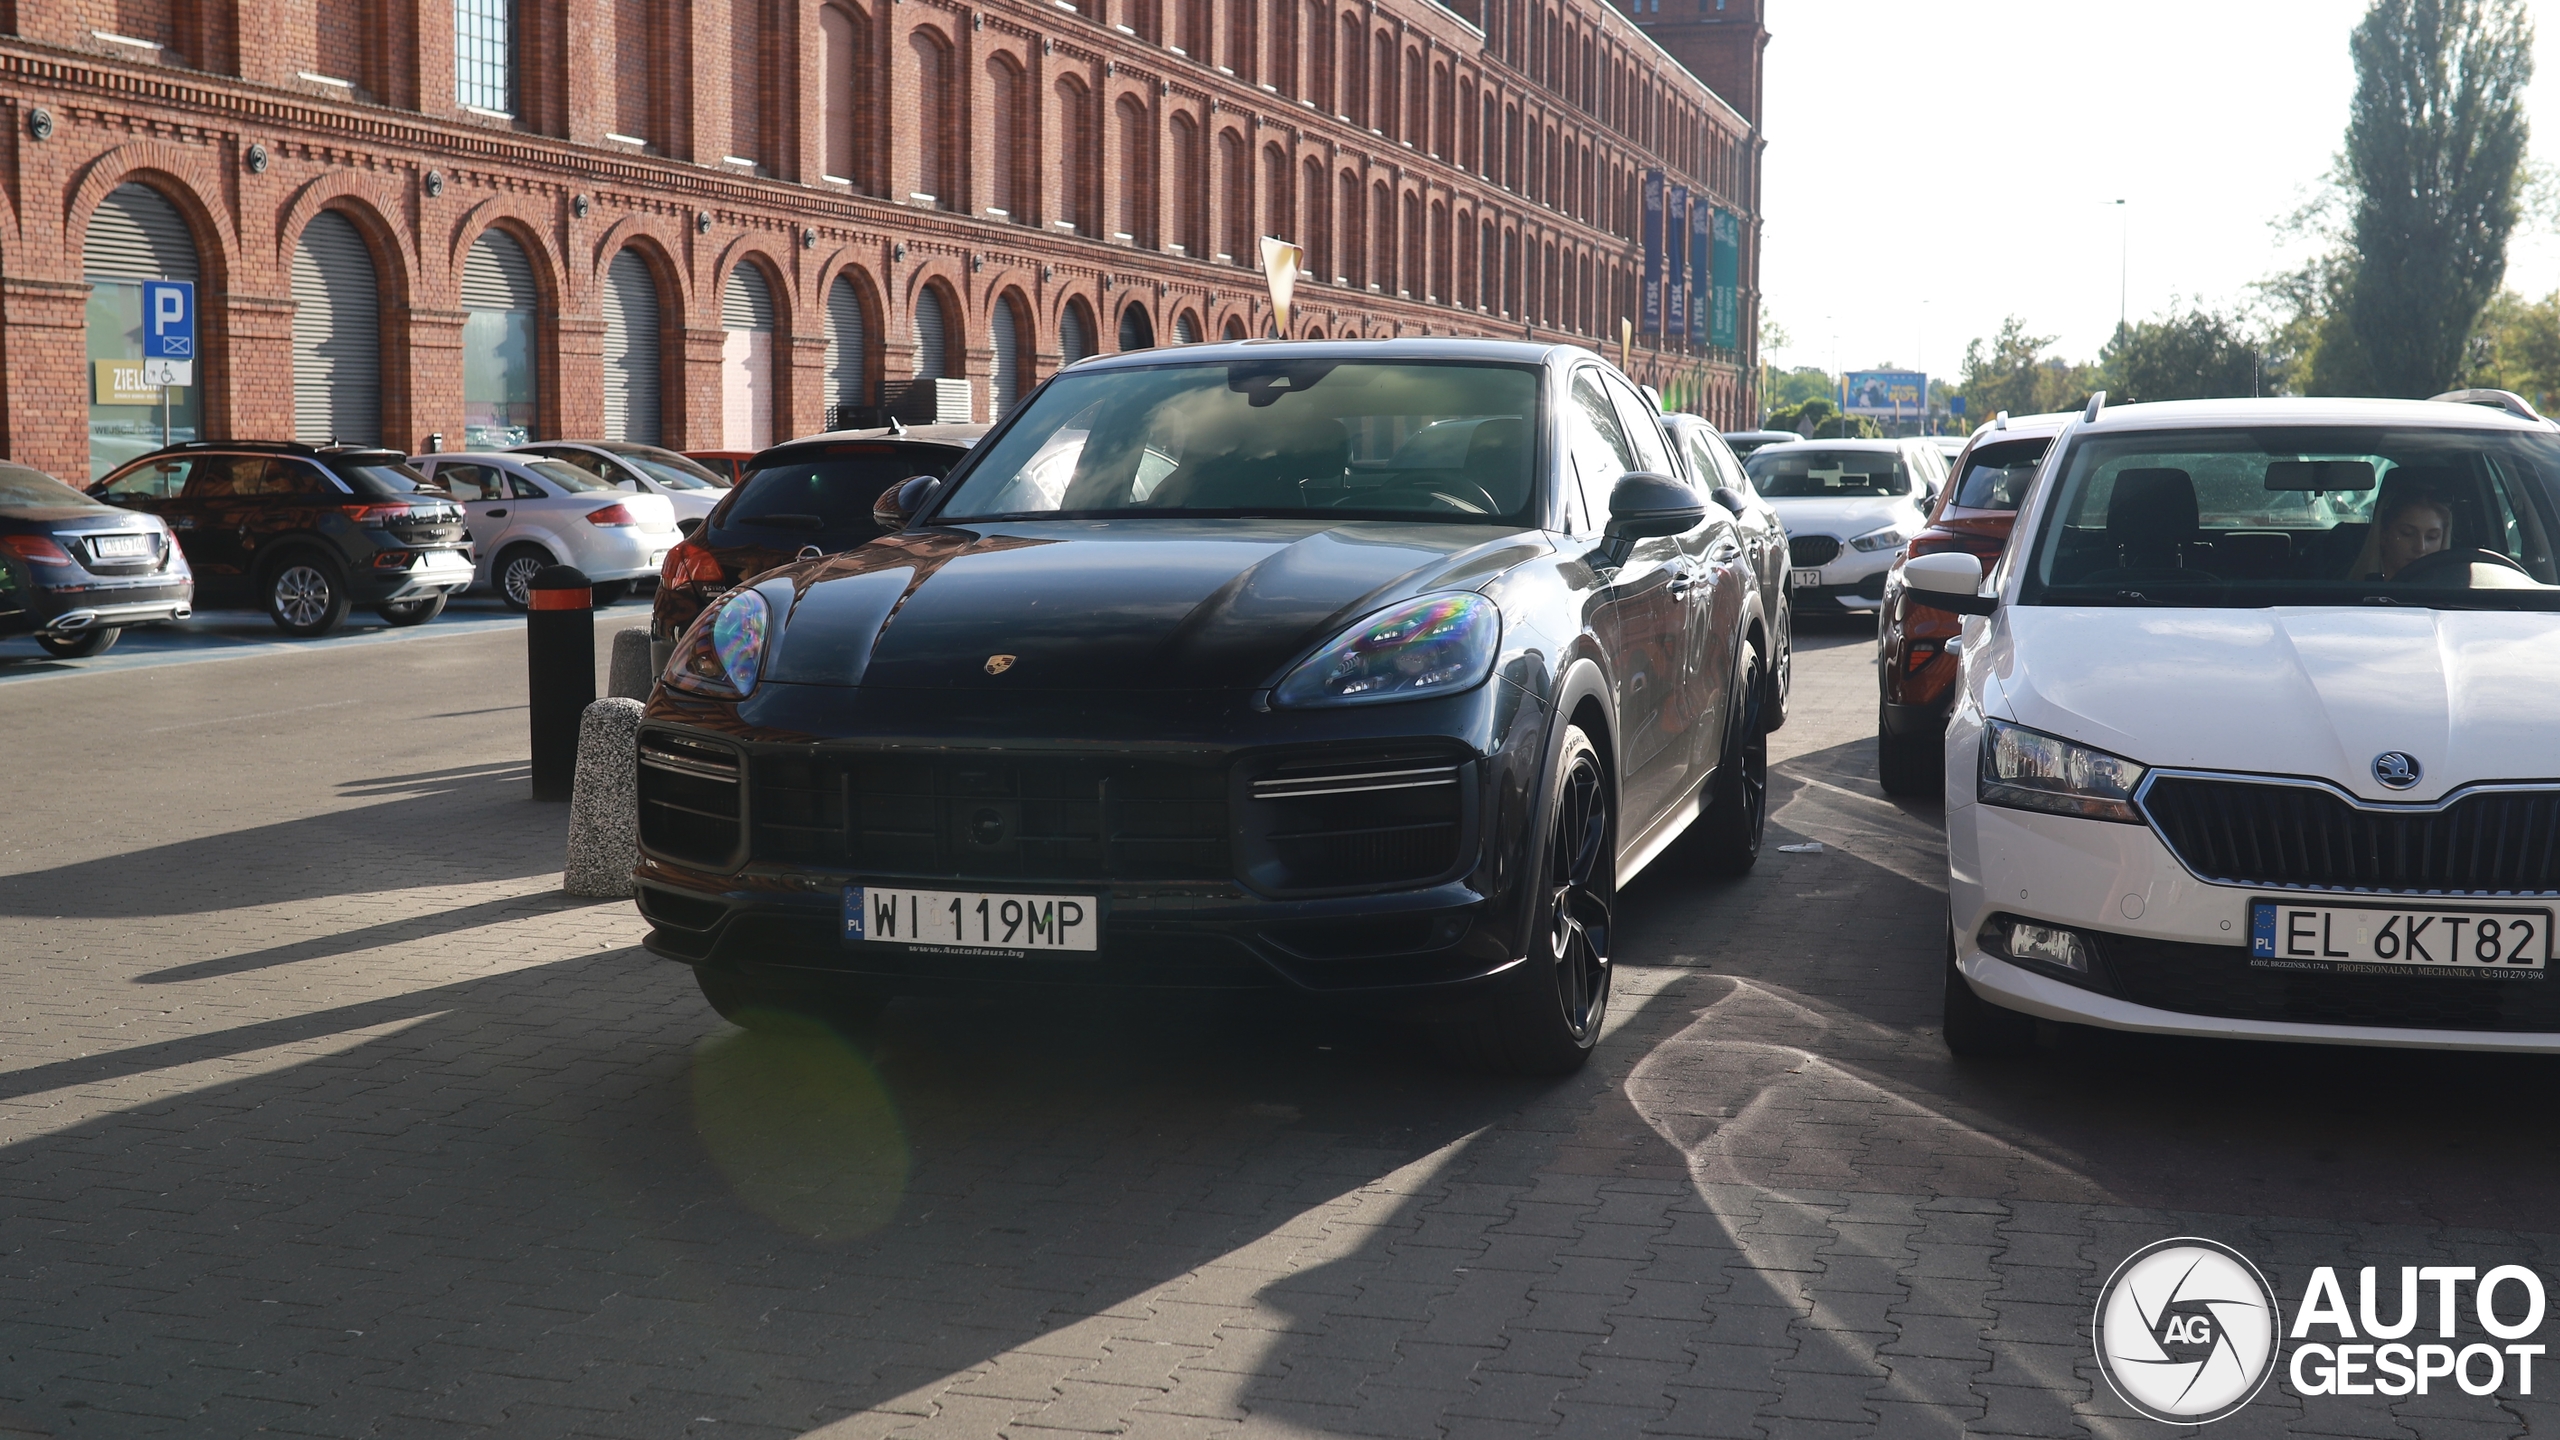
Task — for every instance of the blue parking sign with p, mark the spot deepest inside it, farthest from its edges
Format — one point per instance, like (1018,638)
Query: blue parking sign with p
(168,320)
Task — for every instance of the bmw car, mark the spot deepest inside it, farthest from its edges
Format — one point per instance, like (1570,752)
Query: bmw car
(2252,735)
(1364,670)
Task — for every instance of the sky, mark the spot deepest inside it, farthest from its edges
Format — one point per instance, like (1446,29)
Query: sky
(1933,168)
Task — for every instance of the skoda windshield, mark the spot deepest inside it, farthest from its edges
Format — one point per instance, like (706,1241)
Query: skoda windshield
(2448,518)
(1347,439)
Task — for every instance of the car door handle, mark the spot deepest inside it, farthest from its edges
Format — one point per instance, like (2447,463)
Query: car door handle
(1724,552)
(495,514)
(1681,581)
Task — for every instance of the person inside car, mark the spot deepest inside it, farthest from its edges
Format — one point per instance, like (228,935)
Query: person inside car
(2410,520)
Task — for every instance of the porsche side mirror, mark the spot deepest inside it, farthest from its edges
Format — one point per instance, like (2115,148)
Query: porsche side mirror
(1644,505)
(1948,581)
(903,501)
(1729,498)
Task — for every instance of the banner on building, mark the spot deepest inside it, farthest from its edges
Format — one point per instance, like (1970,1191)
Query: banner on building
(1701,277)
(1649,303)
(1675,263)
(1887,393)
(1724,330)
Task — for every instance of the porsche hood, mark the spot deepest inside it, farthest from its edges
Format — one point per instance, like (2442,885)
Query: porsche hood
(2309,691)
(1123,605)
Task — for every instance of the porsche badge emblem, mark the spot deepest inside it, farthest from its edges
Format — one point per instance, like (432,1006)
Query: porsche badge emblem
(998,664)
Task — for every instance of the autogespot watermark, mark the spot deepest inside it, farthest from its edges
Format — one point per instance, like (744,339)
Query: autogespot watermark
(2189,1331)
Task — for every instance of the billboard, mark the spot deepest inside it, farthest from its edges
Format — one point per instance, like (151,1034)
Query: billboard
(1701,278)
(1649,305)
(1675,264)
(1724,306)
(1887,393)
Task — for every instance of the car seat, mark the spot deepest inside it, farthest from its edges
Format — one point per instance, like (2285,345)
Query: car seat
(2152,524)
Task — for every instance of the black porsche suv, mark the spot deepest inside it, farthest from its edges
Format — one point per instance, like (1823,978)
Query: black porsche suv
(308,532)
(1360,669)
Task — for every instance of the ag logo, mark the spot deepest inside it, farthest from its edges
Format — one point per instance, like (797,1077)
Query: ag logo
(2396,768)
(2186,1330)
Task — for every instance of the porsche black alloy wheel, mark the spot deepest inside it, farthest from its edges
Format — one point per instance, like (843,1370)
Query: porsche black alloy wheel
(1547,1011)
(1731,831)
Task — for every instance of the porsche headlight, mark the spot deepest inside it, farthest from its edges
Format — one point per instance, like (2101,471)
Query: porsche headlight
(1888,538)
(1431,646)
(2029,770)
(722,654)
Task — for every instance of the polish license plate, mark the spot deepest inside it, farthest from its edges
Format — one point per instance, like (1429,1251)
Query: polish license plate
(2401,939)
(121,547)
(1807,579)
(971,922)
(446,560)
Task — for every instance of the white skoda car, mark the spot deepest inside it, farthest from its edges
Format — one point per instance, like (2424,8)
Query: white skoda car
(2255,733)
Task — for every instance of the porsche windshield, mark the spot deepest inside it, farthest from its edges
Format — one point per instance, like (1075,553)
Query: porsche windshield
(2447,518)
(1408,441)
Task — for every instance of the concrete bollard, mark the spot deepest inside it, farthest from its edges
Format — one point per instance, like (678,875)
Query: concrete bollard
(604,806)
(631,676)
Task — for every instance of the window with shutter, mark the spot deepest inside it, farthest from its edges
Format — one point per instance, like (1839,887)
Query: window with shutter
(746,360)
(134,235)
(932,353)
(337,340)
(501,385)
(848,352)
(631,410)
(1005,384)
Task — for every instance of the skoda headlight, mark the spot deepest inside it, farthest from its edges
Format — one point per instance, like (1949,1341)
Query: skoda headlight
(1431,646)
(1888,538)
(723,653)
(2029,770)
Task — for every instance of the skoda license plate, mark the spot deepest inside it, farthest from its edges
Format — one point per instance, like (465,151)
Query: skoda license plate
(2437,939)
(971,922)
(1807,579)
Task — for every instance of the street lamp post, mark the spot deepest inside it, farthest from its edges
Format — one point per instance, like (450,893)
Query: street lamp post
(2124,243)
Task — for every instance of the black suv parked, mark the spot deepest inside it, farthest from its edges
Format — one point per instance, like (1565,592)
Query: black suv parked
(306,531)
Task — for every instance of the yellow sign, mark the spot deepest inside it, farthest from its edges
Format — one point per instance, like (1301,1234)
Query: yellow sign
(120,382)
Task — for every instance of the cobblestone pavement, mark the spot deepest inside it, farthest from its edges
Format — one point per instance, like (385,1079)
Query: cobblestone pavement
(324,1113)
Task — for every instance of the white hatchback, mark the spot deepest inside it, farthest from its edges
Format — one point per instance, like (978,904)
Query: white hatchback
(1849,507)
(2254,733)
(525,512)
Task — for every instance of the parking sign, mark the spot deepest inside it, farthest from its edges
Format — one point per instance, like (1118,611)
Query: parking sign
(168,320)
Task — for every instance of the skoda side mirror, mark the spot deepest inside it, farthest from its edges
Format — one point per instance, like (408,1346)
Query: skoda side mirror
(1948,580)
(903,501)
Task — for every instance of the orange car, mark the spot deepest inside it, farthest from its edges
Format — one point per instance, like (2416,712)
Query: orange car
(1916,644)
(729,465)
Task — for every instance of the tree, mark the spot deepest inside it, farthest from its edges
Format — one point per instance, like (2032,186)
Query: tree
(2013,373)
(2434,165)
(2517,347)
(2199,355)
(1805,382)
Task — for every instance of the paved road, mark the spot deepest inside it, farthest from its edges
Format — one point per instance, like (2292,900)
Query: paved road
(322,1112)
(234,634)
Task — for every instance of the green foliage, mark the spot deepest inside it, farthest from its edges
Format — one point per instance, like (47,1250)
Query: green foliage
(2012,372)
(2434,165)
(1820,419)
(2199,355)
(2516,346)
(1794,387)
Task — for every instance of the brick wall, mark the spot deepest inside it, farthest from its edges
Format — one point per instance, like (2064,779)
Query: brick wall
(1581,100)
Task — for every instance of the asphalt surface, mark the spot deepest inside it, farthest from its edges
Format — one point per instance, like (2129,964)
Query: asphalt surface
(323,1112)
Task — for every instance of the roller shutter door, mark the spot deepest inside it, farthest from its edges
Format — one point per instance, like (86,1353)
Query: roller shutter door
(746,360)
(630,351)
(1006,384)
(136,234)
(932,353)
(1075,338)
(497,275)
(337,336)
(846,351)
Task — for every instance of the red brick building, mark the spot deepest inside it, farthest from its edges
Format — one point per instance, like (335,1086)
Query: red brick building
(711,224)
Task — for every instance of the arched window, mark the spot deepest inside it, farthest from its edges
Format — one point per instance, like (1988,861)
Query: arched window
(1346,224)
(1465,245)
(1417,241)
(1190,193)
(1240,39)
(1236,167)
(1186,329)
(501,358)
(1009,140)
(337,335)
(631,391)
(1009,373)
(1444,140)
(134,235)
(937,142)
(1137,329)
(1355,71)
(1385,112)
(1134,224)
(1191,28)
(749,91)
(841,44)
(1279,187)
(1319,41)
(1233,329)
(1283,48)
(746,360)
(1316,237)
(1417,103)
(1075,155)
(1075,333)
(1382,220)
(636,112)
(848,352)
(931,335)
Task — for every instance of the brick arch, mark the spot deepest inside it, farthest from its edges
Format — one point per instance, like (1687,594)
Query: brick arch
(525,224)
(959,319)
(182,175)
(368,202)
(1092,302)
(659,240)
(995,280)
(750,250)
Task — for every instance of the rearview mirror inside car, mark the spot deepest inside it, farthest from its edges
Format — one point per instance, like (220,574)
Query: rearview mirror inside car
(1948,581)
(2319,474)
(903,501)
